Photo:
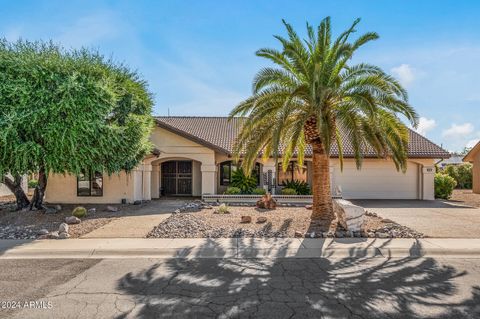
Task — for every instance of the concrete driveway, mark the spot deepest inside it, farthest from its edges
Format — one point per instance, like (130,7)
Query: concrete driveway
(433,218)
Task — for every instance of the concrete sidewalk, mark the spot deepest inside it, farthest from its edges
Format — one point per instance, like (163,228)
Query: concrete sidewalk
(239,248)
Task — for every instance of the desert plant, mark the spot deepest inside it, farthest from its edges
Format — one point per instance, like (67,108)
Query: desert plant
(316,96)
(444,185)
(222,209)
(289,191)
(79,212)
(233,191)
(301,187)
(259,191)
(32,183)
(246,183)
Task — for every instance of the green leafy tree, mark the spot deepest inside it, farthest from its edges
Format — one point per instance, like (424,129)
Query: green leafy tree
(68,112)
(313,97)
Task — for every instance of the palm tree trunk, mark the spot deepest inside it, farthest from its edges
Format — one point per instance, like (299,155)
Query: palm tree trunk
(322,195)
(15,186)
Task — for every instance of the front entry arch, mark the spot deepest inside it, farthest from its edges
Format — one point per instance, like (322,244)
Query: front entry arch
(177,178)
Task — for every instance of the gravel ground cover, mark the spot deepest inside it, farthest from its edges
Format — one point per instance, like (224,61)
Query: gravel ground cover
(28,224)
(204,221)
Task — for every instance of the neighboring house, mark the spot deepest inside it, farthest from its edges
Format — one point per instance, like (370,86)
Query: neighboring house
(195,158)
(455,159)
(473,156)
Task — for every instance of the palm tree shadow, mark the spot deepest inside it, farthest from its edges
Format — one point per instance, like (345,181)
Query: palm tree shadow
(356,286)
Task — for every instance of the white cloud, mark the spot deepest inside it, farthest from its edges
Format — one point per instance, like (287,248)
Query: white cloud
(472,143)
(425,125)
(404,73)
(458,130)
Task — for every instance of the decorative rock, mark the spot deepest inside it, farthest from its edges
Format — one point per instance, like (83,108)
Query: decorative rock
(246,219)
(312,234)
(308,206)
(382,235)
(112,209)
(387,221)
(261,219)
(176,211)
(63,235)
(50,210)
(72,220)
(42,231)
(339,234)
(92,210)
(53,235)
(298,233)
(137,202)
(350,216)
(58,207)
(63,228)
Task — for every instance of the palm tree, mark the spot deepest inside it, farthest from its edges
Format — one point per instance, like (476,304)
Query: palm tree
(315,98)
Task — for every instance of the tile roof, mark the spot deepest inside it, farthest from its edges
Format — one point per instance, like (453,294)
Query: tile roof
(219,134)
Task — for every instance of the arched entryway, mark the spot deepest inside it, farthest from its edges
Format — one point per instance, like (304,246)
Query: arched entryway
(176,178)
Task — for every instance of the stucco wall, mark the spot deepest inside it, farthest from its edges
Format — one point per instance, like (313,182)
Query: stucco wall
(63,189)
(4,191)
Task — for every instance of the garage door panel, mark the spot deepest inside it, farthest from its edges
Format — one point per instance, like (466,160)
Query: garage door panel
(377,180)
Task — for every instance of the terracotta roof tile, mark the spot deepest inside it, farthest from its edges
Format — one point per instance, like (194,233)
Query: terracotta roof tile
(219,133)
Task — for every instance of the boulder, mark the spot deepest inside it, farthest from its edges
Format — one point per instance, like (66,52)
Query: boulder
(72,220)
(50,210)
(63,228)
(349,216)
(92,210)
(112,209)
(42,231)
(63,235)
(246,219)
(58,207)
(309,207)
(53,235)
(261,219)
(137,202)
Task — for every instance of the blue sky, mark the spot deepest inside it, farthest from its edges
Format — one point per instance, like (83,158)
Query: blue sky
(198,56)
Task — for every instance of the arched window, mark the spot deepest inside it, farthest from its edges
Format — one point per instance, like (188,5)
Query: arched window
(227,168)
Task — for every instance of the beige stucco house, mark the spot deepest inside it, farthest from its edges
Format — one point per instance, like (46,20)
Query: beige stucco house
(473,156)
(195,158)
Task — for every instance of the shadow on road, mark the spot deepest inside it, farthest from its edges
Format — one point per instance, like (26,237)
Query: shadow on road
(357,286)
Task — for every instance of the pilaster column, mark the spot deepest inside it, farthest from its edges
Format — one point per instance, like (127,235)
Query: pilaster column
(155,181)
(209,178)
(428,184)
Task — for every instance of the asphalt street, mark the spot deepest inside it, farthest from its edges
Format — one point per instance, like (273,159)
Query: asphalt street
(241,288)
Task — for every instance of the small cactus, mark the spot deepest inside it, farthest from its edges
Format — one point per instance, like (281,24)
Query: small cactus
(79,212)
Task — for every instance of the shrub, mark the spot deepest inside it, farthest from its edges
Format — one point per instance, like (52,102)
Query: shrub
(233,191)
(246,183)
(79,212)
(289,191)
(462,174)
(301,187)
(32,183)
(444,185)
(259,191)
(222,209)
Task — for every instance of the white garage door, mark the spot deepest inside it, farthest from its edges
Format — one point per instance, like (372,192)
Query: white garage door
(377,179)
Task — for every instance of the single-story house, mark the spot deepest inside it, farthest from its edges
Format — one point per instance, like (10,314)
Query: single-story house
(473,156)
(195,158)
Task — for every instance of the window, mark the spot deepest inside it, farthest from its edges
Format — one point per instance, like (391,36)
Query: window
(90,184)
(227,169)
(294,172)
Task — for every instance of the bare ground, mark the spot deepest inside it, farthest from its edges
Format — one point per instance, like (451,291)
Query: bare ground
(466,197)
